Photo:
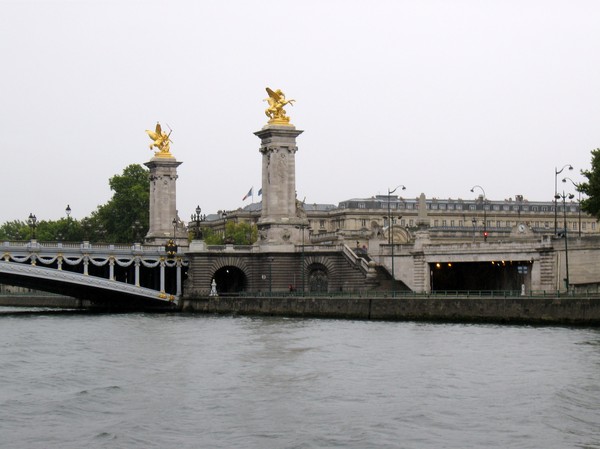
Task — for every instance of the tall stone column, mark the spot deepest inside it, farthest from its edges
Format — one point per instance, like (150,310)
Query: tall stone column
(282,218)
(163,198)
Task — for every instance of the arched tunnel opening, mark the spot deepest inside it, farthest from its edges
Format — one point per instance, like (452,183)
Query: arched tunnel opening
(492,275)
(230,279)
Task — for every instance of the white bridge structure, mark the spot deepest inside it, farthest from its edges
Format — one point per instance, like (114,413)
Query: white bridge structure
(104,274)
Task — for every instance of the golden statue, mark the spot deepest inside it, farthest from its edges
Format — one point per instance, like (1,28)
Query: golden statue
(275,111)
(160,140)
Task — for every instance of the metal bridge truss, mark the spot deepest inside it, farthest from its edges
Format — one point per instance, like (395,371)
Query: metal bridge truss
(40,265)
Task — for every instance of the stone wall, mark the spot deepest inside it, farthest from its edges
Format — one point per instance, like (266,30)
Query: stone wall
(535,310)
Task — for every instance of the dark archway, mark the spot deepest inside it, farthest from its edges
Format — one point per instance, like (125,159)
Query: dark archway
(492,276)
(230,279)
(318,280)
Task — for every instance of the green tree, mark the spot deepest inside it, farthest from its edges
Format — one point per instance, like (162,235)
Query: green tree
(242,233)
(129,205)
(15,230)
(591,188)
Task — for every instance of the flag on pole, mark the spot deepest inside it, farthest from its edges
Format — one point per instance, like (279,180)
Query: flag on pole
(248,194)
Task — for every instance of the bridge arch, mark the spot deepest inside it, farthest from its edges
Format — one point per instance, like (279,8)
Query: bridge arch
(319,271)
(230,274)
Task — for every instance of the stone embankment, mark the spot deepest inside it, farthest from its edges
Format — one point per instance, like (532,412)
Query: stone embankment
(572,310)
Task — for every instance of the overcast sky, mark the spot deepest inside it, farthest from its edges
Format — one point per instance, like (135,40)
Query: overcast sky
(438,95)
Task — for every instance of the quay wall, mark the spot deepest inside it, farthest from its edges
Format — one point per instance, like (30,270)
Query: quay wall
(575,310)
(40,300)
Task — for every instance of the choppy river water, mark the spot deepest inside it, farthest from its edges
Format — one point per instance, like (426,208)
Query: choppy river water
(193,381)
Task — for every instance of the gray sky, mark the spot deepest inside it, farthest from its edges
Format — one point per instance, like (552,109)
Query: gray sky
(437,95)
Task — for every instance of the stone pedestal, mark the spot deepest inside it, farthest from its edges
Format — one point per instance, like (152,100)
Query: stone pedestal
(282,219)
(163,199)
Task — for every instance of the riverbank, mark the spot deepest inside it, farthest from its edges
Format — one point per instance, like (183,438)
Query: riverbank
(572,310)
(40,300)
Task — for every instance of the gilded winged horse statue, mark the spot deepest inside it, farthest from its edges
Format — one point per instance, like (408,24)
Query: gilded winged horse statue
(275,111)
(160,140)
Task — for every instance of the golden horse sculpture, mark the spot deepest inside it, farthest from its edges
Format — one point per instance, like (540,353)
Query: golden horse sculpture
(160,140)
(275,111)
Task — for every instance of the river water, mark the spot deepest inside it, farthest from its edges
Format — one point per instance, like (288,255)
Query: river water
(194,381)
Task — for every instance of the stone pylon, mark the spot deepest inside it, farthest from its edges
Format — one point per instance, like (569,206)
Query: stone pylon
(282,221)
(163,201)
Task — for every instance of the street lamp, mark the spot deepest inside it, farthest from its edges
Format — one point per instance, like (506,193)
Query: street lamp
(391,224)
(68,211)
(577,186)
(224,217)
(136,227)
(171,246)
(303,227)
(485,234)
(32,222)
(197,218)
(556,173)
(564,234)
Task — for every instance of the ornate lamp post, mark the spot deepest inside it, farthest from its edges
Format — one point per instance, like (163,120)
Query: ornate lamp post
(391,225)
(556,173)
(136,227)
(68,211)
(224,217)
(198,218)
(171,246)
(564,234)
(485,234)
(32,222)
(302,227)
(577,185)
(86,225)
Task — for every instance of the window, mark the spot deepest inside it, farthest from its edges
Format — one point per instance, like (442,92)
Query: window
(459,207)
(403,222)
(435,222)
(363,223)
(497,224)
(444,223)
(452,223)
(574,226)
(496,207)
(322,224)
(361,205)
(583,226)
(472,207)
(593,225)
(411,222)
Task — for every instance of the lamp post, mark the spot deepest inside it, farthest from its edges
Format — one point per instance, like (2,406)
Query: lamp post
(485,234)
(224,217)
(68,211)
(86,225)
(577,187)
(198,218)
(171,246)
(391,226)
(302,227)
(556,173)
(32,222)
(136,227)
(564,235)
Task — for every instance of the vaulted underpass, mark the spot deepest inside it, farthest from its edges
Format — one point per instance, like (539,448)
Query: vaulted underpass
(496,275)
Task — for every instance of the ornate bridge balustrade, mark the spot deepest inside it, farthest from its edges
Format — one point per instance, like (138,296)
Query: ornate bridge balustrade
(141,266)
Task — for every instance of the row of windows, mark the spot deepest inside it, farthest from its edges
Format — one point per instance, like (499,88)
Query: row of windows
(441,206)
(341,224)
